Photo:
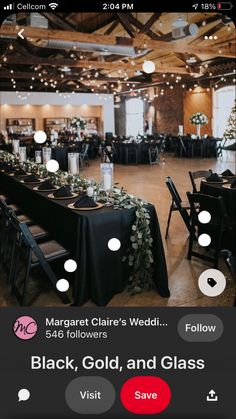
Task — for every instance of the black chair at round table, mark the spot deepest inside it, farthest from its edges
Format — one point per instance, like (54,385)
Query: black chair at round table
(218,225)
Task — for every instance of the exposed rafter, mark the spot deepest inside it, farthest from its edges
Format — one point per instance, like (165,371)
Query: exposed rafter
(150,23)
(137,42)
(126,24)
(110,66)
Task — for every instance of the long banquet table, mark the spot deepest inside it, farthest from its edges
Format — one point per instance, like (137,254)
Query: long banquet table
(101,273)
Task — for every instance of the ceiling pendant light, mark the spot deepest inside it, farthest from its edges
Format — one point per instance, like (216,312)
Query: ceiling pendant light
(148,67)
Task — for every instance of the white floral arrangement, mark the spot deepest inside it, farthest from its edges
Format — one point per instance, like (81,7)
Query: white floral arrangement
(78,123)
(198,118)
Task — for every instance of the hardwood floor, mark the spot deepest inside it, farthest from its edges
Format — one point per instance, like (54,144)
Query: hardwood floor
(148,182)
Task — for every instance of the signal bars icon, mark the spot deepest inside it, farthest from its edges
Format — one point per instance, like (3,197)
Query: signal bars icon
(9,7)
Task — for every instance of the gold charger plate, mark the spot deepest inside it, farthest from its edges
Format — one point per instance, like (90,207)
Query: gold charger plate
(63,197)
(228,186)
(229,177)
(99,205)
(45,190)
(31,183)
(215,183)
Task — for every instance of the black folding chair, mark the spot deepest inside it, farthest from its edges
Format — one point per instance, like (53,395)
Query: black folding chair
(83,156)
(230,261)
(37,254)
(153,154)
(177,205)
(8,241)
(217,226)
(199,174)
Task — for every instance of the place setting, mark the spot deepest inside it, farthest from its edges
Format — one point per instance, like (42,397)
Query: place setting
(31,179)
(215,179)
(46,186)
(21,173)
(64,192)
(85,203)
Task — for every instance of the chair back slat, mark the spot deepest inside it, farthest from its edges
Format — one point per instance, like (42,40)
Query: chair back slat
(198,174)
(173,191)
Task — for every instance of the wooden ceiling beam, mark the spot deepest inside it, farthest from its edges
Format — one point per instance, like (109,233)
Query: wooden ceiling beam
(147,26)
(112,27)
(4,74)
(90,65)
(126,24)
(58,22)
(137,42)
(140,26)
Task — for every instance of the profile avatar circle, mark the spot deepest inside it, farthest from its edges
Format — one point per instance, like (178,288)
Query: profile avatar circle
(25,327)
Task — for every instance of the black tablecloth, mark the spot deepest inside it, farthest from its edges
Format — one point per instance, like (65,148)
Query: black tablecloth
(229,198)
(61,153)
(204,147)
(101,272)
(126,153)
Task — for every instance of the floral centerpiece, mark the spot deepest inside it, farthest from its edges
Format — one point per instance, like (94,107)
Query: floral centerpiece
(78,123)
(199,119)
(138,255)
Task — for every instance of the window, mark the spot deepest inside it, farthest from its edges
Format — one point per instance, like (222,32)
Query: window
(223,102)
(134,117)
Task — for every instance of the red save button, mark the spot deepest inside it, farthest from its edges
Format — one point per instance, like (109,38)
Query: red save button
(145,395)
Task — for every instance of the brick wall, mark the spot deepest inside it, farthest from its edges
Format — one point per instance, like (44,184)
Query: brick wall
(168,110)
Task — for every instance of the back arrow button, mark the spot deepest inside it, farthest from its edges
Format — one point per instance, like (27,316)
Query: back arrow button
(20,34)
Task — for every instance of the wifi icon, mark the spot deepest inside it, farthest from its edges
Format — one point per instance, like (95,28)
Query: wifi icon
(53,5)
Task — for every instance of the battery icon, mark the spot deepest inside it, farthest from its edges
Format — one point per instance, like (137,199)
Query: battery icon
(224,6)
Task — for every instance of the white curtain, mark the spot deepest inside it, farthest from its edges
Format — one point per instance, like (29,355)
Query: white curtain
(223,101)
(134,117)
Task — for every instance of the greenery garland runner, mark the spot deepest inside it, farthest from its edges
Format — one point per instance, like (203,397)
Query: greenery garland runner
(139,254)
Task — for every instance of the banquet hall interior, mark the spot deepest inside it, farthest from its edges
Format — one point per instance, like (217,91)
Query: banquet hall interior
(117,160)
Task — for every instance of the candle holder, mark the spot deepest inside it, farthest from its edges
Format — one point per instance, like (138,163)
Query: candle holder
(15,146)
(73,163)
(22,154)
(107,180)
(47,154)
(38,156)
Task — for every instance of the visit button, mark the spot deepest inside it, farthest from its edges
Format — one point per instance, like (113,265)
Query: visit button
(145,395)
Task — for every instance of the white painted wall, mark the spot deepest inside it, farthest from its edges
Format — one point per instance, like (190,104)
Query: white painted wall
(39,98)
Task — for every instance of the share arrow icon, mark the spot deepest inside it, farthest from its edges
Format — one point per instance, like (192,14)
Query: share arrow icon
(20,34)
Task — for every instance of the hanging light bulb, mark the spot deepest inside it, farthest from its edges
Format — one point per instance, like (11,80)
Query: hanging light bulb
(148,67)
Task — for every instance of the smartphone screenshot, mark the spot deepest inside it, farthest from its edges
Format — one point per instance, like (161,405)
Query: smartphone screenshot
(117,210)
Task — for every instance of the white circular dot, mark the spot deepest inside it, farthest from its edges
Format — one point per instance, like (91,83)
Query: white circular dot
(148,67)
(114,244)
(40,137)
(204,217)
(62,285)
(52,166)
(70,265)
(204,240)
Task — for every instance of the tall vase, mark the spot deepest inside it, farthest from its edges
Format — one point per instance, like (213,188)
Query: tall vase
(198,131)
